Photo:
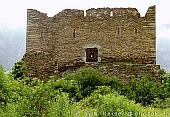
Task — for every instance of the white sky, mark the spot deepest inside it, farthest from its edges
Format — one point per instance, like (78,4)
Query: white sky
(13,12)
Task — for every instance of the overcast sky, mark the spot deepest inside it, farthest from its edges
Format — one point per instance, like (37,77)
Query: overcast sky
(13,12)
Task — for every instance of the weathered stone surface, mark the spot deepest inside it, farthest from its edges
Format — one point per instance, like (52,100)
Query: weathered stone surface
(118,34)
(123,71)
(40,64)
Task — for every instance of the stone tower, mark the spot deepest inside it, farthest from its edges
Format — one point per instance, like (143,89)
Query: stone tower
(103,35)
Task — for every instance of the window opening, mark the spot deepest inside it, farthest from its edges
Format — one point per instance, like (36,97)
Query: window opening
(91,55)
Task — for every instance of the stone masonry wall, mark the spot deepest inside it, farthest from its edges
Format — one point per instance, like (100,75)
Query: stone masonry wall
(123,71)
(40,64)
(119,34)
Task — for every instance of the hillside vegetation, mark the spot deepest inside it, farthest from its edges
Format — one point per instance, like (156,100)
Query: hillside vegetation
(86,92)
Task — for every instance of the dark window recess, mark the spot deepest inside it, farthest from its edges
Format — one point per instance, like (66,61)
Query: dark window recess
(118,31)
(91,55)
(74,34)
(136,31)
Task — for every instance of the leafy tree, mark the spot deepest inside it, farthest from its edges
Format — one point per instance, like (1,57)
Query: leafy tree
(2,76)
(19,70)
(163,100)
(143,90)
(166,85)
(88,79)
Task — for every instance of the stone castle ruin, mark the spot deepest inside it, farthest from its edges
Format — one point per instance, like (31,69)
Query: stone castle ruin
(100,39)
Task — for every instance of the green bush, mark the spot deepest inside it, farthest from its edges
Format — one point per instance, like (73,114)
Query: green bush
(163,99)
(83,82)
(93,100)
(19,70)
(60,107)
(69,86)
(165,87)
(2,76)
(6,85)
(18,99)
(88,79)
(162,103)
(113,105)
(118,86)
(93,90)
(9,111)
(143,90)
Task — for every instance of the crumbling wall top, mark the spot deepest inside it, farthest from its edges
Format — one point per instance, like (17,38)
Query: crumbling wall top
(113,12)
(35,12)
(150,14)
(70,13)
(93,12)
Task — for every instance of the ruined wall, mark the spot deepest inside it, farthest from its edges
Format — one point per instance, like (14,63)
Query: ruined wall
(123,71)
(40,64)
(120,34)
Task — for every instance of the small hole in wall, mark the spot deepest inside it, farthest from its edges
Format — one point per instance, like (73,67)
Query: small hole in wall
(74,34)
(135,31)
(118,30)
